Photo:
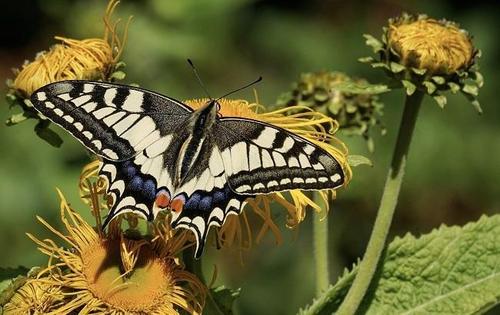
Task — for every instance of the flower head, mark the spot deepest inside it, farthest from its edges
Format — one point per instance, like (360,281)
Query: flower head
(313,126)
(71,59)
(109,272)
(433,56)
(353,103)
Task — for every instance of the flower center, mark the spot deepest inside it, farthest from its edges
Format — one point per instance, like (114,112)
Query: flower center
(432,45)
(140,290)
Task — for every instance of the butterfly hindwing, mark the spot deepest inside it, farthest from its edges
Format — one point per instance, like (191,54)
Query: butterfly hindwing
(112,120)
(208,198)
(261,158)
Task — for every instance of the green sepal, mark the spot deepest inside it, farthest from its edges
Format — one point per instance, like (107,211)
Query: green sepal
(16,119)
(438,79)
(471,89)
(357,160)
(221,301)
(474,102)
(374,43)
(366,59)
(419,71)
(440,100)
(431,87)
(360,87)
(454,88)
(117,75)
(409,86)
(396,67)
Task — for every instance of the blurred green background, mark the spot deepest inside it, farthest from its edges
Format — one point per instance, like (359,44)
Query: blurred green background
(453,171)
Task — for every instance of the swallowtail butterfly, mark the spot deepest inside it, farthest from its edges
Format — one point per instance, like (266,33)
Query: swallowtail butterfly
(157,153)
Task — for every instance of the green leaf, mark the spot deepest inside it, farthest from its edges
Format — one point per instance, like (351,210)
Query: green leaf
(10,280)
(357,160)
(360,87)
(452,270)
(220,301)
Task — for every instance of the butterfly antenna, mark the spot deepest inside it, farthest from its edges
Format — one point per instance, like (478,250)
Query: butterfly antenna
(199,79)
(241,88)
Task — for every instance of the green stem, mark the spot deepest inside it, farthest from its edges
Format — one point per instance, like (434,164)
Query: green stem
(386,209)
(320,235)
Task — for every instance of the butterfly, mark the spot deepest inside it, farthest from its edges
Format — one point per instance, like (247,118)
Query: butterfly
(159,154)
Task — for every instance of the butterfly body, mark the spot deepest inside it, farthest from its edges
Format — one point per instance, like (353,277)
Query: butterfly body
(159,154)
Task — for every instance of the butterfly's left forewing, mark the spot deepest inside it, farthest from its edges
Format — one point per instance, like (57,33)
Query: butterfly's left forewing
(113,121)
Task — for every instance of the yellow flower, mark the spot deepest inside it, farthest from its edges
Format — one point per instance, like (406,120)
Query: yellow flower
(428,55)
(88,59)
(301,120)
(109,273)
(439,47)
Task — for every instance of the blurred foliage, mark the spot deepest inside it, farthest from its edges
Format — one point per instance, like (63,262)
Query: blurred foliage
(452,173)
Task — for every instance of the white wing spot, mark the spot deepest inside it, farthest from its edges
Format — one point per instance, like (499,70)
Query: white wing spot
(133,102)
(335,178)
(89,107)
(110,153)
(279,160)
(258,186)
(78,126)
(239,158)
(103,112)
(49,105)
(87,88)
(285,181)
(254,157)
(293,162)
(136,133)
(287,145)
(215,163)
(81,100)
(267,161)
(58,112)
(64,96)
(309,149)
(112,119)
(159,146)
(243,188)
(272,183)
(87,135)
(304,161)
(109,96)
(311,180)
(266,138)
(322,179)
(318,166)
(97,144)
(125,123)
(41,96)
(69,119)
(298,180)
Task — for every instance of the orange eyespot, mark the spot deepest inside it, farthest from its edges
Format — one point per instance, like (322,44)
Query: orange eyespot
(177,205)
(162,200)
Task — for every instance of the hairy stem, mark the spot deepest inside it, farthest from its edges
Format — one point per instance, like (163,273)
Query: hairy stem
(386,209)
(320,235)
